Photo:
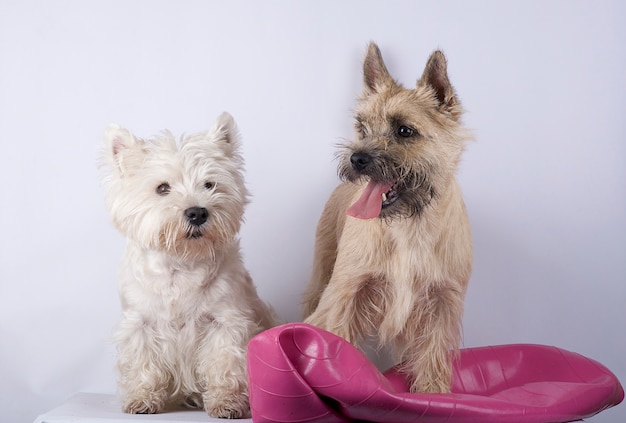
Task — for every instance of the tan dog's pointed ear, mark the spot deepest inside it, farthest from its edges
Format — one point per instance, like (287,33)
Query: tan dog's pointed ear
(436,76)
(375,74)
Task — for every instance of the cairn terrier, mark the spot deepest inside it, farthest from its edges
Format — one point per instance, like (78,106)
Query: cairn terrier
(189,305)
(393,252)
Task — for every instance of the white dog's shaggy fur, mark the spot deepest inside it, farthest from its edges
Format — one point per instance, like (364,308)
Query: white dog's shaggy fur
(189,305)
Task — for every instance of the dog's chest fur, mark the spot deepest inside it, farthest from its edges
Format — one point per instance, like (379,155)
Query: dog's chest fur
(171,292)
(397,249)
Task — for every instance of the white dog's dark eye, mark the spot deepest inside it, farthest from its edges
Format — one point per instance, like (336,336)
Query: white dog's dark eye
(163,189)
(405,131)
(209,185)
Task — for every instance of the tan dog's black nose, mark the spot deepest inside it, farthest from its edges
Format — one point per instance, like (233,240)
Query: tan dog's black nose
(360,161)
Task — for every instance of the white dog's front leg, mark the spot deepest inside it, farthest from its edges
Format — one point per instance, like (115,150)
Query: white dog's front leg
(222,365)
(143,376)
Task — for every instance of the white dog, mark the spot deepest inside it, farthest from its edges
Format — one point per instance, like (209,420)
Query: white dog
(189,305)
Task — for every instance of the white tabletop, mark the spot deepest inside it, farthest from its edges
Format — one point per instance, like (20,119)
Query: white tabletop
(103,408)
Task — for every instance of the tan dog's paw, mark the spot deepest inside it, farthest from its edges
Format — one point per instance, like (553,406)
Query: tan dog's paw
(432,388)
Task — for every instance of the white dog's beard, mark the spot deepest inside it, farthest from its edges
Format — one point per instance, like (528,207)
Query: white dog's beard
(194,233)
(187,243)
(192,242)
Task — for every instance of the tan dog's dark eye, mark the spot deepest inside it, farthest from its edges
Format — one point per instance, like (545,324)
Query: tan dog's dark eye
(360,127)
(163,189)
(209,185)
(405,131)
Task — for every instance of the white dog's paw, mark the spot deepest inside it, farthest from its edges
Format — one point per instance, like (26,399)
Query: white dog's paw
(227,405)
(149,405)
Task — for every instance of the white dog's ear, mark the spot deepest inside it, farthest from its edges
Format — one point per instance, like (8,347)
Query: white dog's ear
(225,131)
(117,141)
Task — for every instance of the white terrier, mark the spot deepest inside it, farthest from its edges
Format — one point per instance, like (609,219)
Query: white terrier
(189,305)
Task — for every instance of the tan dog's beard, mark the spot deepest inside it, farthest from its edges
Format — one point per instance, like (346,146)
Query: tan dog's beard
(412,190)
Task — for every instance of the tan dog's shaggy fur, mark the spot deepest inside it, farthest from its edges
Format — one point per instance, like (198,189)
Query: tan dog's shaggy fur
(399,270)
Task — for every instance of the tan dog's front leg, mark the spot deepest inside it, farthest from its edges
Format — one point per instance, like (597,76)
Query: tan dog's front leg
(337,311)
(429,351)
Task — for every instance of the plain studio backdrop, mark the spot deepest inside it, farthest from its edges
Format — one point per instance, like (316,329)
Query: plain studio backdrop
(544,88)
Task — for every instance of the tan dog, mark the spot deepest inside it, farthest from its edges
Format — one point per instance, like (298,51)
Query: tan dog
(393,251)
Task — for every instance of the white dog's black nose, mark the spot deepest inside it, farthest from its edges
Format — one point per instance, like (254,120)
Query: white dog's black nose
(360,161)
(197,215)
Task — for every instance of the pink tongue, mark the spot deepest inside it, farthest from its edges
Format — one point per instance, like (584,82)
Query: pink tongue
(370,203)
